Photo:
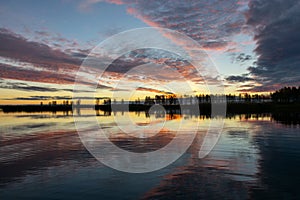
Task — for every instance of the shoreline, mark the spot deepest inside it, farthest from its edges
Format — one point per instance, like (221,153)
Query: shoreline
(205,108)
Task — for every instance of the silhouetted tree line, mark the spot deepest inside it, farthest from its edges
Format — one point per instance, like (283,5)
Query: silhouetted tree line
(63,103)
(202,98)
(189,100)
(286,95)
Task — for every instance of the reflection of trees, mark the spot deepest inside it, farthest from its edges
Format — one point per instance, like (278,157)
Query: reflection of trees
(281,117)
(279,164)
(287,118)
(168,114)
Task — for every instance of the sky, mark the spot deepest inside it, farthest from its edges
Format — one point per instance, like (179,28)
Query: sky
(253,44)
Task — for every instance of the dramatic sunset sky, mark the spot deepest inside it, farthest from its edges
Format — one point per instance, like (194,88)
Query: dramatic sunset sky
(254,44)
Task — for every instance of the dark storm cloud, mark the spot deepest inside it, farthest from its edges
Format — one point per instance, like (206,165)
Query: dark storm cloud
(276,25)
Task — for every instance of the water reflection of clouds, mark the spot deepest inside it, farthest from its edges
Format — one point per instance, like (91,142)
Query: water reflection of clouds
(249,143)
(235,154)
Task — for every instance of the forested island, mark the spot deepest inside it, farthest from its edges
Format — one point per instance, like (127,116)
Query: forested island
(285,99)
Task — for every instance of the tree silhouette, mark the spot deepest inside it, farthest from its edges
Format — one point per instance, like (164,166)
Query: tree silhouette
(286,95)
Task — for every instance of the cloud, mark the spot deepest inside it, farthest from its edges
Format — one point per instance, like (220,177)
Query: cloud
(152,65)
(32,98)
(259,88)
(23,86)
(53,40)
(109,88)
(86,5)
(152,90)
(242,57)
(99,86)
(18,47)
(26,60)
(43,33)
(41,98)
(128,61)
(15,73)
(211,23)
(239,79)
(120,90)
(78,53)
(276,26)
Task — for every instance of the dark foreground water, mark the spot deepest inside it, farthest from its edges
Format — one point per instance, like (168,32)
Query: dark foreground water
(256,157)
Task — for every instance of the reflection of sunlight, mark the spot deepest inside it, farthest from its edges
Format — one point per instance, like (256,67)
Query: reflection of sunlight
(28,123)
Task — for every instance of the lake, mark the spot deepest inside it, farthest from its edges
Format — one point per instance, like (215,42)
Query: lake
(256,157)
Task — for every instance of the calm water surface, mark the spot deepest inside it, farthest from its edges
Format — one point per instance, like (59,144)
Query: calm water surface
(42,157)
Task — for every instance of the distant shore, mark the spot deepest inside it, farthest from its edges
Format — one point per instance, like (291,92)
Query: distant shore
(205,108)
